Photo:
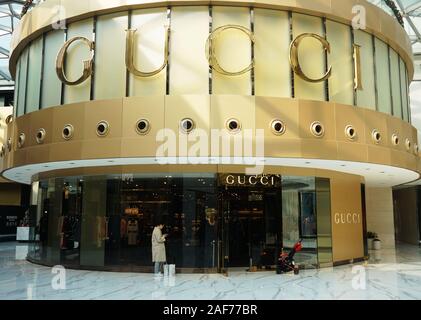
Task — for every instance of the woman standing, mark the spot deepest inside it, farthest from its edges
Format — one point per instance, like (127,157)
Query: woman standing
(158,247)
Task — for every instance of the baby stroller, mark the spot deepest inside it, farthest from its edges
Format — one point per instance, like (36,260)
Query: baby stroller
(286,261)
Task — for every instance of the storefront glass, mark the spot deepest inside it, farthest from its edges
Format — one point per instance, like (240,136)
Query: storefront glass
(213,221)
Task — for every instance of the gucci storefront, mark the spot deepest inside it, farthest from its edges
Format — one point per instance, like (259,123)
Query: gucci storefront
(213,221)
(243,126)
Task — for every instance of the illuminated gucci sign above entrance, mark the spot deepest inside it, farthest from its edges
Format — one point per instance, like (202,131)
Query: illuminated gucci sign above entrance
(237,180)
(211,54)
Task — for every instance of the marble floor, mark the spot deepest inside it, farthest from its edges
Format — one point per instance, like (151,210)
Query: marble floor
(390,274)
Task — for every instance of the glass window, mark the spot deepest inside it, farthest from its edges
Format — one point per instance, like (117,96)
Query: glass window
(71,220)
(299,219)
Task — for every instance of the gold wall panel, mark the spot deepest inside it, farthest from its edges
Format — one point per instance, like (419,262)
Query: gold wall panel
(384,102)
(286,110)
(379,155)
(195,107)
(404,90)
(378,121)
(347,238)
(34,76)
(189,68)
(110,67)
(40,120)
(149,51)
(23,73)
(10,194)
(93,146)
(251,112)
(233,50)
(38,154)
(341,83)
(350,151)
(23,125)
(51,85)
(346,115)
(366,97)
(134,109)
(271,51)
(395,126)
(73,114)
(311,57)
(395,81)
(77,53)
(310,111)
(225,107)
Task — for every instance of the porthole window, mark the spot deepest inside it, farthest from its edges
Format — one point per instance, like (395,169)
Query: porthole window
(143,127)
(416,149)
(350,132)
(376,136)
(278,127)
(187,125)
(233,125)
(9,119)
(102,128)
(21,140)
(68,132)
(395,139)
(40,136)
(317,129)
(408,144)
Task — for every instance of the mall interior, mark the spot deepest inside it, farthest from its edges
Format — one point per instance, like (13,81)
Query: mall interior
(267,123)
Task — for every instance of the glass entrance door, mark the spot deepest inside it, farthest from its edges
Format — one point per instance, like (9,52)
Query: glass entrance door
(251,218)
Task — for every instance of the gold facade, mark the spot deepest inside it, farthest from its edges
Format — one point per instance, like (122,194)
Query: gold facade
(164,73)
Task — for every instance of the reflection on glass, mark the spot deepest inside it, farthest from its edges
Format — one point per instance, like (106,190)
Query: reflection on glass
(71,221)
(324,223)
(299,219)
(185,203)
(212,221)
(52,219)
(94,222)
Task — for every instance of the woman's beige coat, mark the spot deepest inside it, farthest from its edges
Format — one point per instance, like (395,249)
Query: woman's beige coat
(158,246)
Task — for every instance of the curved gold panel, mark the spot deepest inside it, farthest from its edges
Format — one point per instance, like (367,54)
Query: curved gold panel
(379,23)
(211,112)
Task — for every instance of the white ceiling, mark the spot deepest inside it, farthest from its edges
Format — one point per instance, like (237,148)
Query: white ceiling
(375,175)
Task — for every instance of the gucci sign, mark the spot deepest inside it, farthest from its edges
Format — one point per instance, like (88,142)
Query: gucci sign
(347,218)
(243,180)
(211,54)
